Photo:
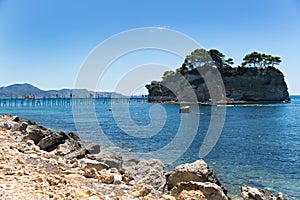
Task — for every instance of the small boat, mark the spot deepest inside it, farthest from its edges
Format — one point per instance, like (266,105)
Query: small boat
(110,109)
(184,109)
(210,102)
(285,101)
(207,104)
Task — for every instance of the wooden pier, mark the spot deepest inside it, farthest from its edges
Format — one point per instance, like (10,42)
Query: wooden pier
(37,102)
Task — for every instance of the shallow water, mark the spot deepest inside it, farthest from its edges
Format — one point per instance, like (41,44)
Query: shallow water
(259,144)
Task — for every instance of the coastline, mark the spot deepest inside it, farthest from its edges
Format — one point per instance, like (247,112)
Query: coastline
(233,102)
(52,170)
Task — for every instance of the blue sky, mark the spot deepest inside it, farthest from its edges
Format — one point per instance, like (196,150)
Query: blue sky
(45,42)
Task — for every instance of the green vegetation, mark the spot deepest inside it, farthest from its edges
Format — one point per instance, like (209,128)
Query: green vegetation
(260,60)
(216,59)
(168,74)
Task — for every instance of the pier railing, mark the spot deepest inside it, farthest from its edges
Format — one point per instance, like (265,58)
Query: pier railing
(19,102)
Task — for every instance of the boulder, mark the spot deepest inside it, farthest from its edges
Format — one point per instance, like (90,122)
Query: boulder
(191,195)
(31,122)
(78,154)
(197,171)
(5,125)
(50,142)
(250,193)
(15,118)
(73,136)
(110,158)
(141,190)
(34,133)
(67,147)
(106,177)
(211,191)
(147,172)
(88,164)
(91,173)
(6,122)
(93,148)
(21,126)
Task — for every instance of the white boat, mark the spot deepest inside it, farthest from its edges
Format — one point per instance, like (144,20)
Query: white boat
(185,109)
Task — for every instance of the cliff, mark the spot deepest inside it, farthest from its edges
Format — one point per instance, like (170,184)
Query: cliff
(240,84)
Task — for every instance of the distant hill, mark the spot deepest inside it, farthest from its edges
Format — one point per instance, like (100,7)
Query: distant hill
(20,90)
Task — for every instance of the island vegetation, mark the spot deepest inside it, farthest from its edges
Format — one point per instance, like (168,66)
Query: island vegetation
(255,79)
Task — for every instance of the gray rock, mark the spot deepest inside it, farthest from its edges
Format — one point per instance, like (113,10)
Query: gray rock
(6,122)
(93,148)
(210,190)
(21,126)
(15,118)
(148,172)
(78,154)
(34,133)
(31,122)
(50,142)
(88,164)
(5,125)
(197,171)
(112,159)
(67,147)
(250,193)
(235,197)
(73,136)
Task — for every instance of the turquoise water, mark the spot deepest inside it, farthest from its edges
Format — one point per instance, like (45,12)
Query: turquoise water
(259,144)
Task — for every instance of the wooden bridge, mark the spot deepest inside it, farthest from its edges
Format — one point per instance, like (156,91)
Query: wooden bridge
(36,102)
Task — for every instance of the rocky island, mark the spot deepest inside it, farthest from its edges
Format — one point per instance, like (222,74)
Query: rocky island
(208,75)
(36,163)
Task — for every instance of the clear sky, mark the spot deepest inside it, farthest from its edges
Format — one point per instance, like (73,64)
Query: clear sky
(45,42)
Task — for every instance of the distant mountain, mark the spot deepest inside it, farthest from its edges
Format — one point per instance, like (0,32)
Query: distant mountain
(20,90)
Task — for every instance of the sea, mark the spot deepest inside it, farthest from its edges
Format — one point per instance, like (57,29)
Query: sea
(246,144)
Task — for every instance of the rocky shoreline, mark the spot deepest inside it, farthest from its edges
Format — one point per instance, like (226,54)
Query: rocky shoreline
(36,163)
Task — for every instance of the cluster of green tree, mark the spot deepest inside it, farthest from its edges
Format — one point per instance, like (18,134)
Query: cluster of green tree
(214,58)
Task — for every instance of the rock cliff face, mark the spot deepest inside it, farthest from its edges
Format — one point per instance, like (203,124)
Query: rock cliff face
(240,84)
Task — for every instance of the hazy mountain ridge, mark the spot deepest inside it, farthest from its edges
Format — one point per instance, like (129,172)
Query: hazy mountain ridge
(20,90)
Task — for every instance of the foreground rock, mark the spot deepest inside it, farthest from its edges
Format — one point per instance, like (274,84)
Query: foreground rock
(149,172)
(27,172)
(110,158)
(249,193)
(197,171)
(36,163)
(208,189)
